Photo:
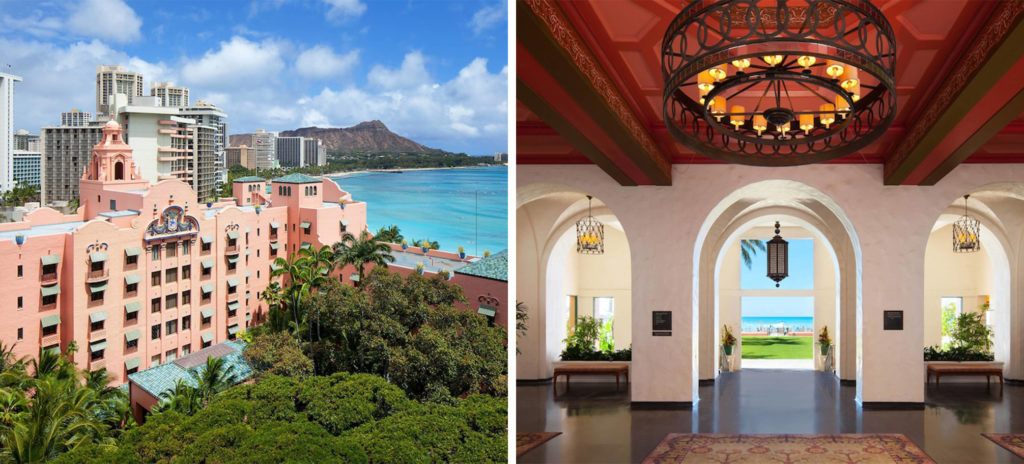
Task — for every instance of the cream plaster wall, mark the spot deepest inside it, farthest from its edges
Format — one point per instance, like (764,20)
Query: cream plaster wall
(607,275)
(949,274)
(890,226)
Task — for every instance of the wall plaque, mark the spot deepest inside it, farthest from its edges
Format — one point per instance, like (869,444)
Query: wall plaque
(661,323)
(893,320)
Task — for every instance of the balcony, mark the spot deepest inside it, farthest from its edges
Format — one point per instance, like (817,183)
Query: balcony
(231,249)
(48,278)
(97,364)
(97,276)
(47,340)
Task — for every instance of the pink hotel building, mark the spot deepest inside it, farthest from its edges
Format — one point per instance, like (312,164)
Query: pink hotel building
(143,274)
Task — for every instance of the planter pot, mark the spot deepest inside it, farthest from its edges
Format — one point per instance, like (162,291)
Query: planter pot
(424,249)
(404,246)
(19,239)
(462,255)
(728,349)
(824,349)
(209,204)
(419,271)
(342,206)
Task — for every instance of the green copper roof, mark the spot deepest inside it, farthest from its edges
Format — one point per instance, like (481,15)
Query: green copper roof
(164,377)
(250,179)
(297,179)
(492,267)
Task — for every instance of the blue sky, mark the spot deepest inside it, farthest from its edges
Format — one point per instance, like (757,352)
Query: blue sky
(801,269)
(433,71)
(801,277)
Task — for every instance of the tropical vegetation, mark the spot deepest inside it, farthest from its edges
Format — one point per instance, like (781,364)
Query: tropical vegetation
(969,340)
(584,343)
(749,249)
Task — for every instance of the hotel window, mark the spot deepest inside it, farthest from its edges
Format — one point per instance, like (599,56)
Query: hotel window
(155,305)
(96,295)
(232,265)
(186,350)
(186,323)
(171,301)
(131,344)
(132,317)
(131,370)
(205,247)
(131,289)
(96,322)
(20,302)
(50,330)
(96,266)
(186,272)
(20,269)
(171,355)
(205,317)
(131,259)
(186,297)
(154,279)
(171,250)
(156,252)
(155,331)
(21,333)
(206,271)
(172,327)
(171,275)
(97,350)
(154,361)
(185,246)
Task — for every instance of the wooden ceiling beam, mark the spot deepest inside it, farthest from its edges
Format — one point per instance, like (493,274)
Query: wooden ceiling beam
(544,36)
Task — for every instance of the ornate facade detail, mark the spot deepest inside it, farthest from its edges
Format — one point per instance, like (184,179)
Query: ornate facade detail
(96,247)
(172,222)
(112,158)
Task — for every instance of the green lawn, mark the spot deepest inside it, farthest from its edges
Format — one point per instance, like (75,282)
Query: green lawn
(777,347)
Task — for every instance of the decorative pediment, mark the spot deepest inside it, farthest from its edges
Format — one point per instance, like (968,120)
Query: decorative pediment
(172,222)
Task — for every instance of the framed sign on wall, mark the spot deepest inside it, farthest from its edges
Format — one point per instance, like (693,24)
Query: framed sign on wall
(661,323)
(893,320)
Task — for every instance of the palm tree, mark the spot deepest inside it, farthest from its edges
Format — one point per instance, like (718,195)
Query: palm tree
(359,252)
(322,258)
(274,296)
(214,377)
(183,398)
(390,234)
(293,267)
(749,248)
(61,416)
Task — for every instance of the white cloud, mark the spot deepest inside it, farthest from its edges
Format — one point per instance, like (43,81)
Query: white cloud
(237,62)
(36,25)
(344,9)
(467,111)
(321,62)
(314,118)
(487,17)
(106,19)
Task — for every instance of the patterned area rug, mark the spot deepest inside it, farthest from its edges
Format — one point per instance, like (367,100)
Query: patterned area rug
(1013,442)
(790,449)
(526,441)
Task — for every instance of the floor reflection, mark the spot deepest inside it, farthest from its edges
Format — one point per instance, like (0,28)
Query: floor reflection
(599,425)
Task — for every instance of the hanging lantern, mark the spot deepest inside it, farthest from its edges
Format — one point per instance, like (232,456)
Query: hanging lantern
(589,233)
(778,257)
(966,233)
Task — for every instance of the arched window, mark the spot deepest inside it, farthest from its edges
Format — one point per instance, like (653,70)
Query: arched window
(119,170)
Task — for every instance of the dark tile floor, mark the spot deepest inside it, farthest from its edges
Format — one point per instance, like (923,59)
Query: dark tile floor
(598,425)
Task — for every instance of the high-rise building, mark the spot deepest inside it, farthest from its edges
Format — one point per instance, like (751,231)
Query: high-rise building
(289,151)
(66,152)
(112,80)
(313,152)
(7,129)
(264,146)
(169,146)
(240,156)
(26,141)
(208,114)
(27,167)
(169,94)
(75,118)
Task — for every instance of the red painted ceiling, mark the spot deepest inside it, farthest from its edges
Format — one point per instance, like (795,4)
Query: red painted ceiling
(626,39)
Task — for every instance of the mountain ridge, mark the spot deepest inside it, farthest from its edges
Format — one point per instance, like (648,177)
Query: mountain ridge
(367,136)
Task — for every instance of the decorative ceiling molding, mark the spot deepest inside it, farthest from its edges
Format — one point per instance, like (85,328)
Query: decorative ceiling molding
(556,34)
(987,59)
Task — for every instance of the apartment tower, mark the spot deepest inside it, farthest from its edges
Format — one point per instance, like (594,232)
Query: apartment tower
(7,130)
(169,94)
(112,80)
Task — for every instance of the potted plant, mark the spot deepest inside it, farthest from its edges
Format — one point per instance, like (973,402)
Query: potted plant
(419,268)
(462,252)
(257,208)
(209,204)
(824,340)
(424,245)
(342,203)
(405,244)
(728,340)
(487,253)
(19,239)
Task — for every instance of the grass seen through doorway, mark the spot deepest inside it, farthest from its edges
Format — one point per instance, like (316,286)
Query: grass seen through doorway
(777,347)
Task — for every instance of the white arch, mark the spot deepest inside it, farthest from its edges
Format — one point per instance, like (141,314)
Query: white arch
(761,199)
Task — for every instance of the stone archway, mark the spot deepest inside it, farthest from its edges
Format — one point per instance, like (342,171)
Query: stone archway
(802,203)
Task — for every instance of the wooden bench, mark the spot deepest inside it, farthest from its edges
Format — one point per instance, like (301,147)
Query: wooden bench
(939,370)
(582,369)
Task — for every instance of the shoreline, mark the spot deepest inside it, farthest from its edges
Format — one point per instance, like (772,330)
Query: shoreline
(367,171)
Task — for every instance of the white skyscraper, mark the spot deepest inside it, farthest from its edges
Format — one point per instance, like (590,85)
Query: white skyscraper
(7,130)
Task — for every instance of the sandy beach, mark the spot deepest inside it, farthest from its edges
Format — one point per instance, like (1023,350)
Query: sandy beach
(361,171)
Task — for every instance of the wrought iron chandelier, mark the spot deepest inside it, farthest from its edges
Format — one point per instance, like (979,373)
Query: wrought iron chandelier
(766,83)
(778,257)
(589,233)
(966,233)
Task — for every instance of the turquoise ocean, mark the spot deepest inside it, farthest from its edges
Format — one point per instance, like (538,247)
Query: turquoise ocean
(465,206)
(794,324)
